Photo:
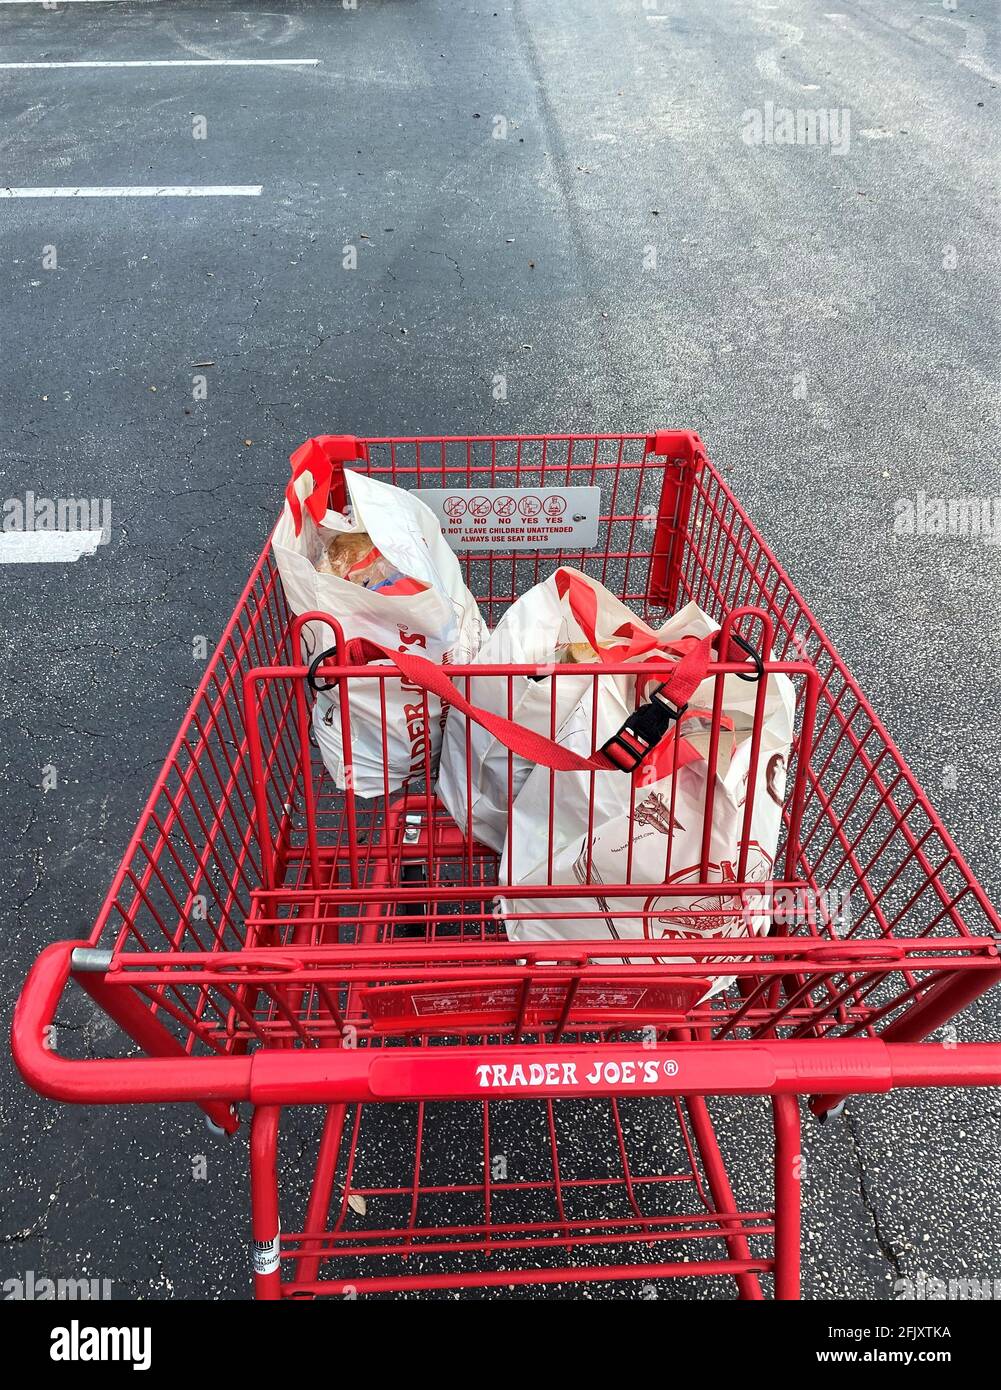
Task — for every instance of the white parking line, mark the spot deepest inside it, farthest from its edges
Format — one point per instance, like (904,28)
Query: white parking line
(205,190)
(176,63)
(47,547)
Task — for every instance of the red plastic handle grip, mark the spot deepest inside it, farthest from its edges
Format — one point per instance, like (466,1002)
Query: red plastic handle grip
(714,1068)
(115,1080)
(286,1077)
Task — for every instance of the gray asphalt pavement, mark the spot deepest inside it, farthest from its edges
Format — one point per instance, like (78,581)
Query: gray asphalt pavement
(825,317)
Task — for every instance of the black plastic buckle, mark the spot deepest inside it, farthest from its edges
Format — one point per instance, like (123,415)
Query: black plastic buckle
(759,669)
(312,679)
(642,731)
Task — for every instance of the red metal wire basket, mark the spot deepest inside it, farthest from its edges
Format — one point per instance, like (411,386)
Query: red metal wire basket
(272,937)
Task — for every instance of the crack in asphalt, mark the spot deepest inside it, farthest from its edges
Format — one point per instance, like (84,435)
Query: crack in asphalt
(452,261)
(38,1228)
(885,1247)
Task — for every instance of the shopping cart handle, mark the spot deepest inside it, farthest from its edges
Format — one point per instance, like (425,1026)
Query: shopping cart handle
(286,1076)
(174,1077)
(688,1068)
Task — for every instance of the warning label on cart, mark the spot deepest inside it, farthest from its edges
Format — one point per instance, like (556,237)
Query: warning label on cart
(521,518)
(266,1255)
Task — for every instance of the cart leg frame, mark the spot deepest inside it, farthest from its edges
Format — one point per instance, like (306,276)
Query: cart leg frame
(266,1223)
(748,1284)
(138,1022)
(788,1175)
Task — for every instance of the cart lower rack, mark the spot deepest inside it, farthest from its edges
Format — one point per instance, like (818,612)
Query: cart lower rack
(509,1115)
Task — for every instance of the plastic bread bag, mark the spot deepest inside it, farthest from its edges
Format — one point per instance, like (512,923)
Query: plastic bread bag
(418,602)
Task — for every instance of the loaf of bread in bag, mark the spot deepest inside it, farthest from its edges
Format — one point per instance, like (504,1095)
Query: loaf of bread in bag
(352,556)
(577,653)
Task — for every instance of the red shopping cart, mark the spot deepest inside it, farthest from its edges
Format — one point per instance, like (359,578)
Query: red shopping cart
(506,1115)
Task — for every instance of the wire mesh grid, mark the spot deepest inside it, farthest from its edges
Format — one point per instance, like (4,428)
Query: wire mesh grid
(514,1193)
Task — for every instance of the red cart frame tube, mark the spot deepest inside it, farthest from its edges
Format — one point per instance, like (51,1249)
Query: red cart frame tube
(308,1262)
(788,1176)
(597,1274)
(748,1284)
(139,1023)
(942,1002)
(264,1201)
(684,455)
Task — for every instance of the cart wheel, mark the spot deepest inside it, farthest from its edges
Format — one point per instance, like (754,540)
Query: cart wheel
(834,1111)
(215,1130)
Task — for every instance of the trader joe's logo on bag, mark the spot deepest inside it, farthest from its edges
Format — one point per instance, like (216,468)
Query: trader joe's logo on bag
(655,811)
(419,715)
(414,714)
(711,914)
